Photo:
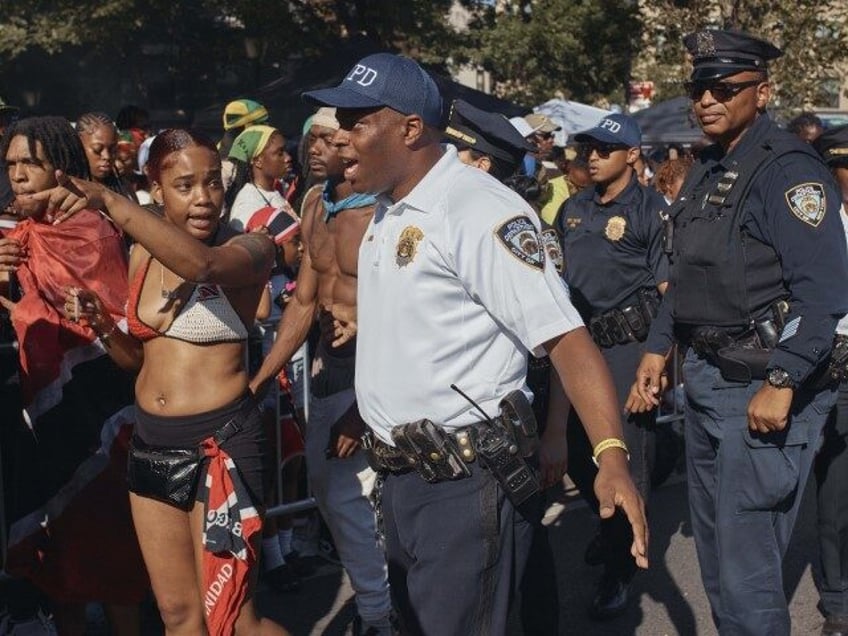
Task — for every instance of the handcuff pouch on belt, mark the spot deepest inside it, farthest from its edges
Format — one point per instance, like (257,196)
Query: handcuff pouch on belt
(625,324)
(435,453)
(502,445)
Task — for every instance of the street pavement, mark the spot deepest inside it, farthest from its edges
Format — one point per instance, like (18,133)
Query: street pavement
(667,599)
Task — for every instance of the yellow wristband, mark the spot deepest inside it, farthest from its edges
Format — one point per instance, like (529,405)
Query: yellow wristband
(606,444)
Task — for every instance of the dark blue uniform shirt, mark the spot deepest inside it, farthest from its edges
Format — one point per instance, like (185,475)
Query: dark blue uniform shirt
(813,258)
(614,249)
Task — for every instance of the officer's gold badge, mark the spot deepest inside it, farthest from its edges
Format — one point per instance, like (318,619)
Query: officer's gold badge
(615,228)
(808,202)
(407,245)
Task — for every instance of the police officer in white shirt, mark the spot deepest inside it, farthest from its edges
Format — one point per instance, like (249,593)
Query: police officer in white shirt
(455,289)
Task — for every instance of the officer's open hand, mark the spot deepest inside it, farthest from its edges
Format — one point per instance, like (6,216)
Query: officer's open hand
(651,382)
(768,410)
(346,434)
(615,489)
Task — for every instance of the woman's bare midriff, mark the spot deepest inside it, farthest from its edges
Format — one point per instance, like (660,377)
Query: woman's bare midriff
(181,378)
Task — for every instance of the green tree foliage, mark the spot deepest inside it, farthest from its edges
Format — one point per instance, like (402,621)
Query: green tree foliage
(55,24)
(539,49)
(586,50)
(812,33)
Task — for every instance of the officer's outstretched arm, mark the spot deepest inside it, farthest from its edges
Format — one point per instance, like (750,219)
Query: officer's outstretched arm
(588,384)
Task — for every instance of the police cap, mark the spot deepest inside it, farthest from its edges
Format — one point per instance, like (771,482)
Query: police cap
(489,133)
(718,53)
(832,145)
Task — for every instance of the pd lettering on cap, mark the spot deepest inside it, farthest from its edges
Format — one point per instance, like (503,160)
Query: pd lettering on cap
(610,125)
(362,75)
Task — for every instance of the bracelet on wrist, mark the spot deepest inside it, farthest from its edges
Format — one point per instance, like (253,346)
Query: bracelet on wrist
(606,444)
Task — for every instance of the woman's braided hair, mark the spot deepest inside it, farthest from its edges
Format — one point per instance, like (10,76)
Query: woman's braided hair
(61,144)
(89,122)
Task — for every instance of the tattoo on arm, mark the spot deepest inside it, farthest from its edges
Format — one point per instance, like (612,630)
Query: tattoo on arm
(260,248)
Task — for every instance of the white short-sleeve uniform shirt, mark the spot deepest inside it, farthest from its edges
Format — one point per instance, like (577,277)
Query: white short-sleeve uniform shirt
(454,288)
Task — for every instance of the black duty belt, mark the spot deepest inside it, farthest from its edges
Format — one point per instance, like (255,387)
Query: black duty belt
(629,323)
(739,354)
(438,455)
(428,451)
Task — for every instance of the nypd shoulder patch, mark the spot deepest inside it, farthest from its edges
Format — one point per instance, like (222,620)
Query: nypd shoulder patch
(553,250)
(519,236)
(808,202)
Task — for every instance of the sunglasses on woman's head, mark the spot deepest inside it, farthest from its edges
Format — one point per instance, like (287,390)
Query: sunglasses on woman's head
(721,91)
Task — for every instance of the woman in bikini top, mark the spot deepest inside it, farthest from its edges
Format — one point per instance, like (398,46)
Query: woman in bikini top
(195,285)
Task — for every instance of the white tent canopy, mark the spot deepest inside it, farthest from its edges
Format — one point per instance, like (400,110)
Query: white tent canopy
(574,117)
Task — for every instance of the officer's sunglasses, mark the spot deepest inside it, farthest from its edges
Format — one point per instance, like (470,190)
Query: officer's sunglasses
(721,91)
(604,150)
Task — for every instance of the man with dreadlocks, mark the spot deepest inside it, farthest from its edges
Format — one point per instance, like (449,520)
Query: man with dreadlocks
(72,509)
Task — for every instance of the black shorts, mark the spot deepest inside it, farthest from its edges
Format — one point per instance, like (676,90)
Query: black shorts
(248,448)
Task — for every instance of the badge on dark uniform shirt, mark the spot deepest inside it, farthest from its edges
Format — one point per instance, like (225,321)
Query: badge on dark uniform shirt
(550,242)
(407,245)
(519,236)
(615,228)
(808,202)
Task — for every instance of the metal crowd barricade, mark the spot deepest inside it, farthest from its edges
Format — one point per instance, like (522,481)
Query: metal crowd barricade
(279,508)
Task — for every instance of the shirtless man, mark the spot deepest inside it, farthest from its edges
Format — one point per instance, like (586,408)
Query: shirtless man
(334,219)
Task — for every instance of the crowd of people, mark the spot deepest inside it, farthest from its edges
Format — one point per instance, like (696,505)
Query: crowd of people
(486,311)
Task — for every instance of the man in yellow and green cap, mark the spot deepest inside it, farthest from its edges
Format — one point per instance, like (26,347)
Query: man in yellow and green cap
(238,115)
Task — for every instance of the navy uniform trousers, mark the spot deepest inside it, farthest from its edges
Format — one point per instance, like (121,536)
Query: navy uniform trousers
(831,470)
(744,495)
(451,549)
(616,533)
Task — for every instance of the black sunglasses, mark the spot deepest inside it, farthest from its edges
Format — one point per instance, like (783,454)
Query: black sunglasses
(721,91)
(603,150)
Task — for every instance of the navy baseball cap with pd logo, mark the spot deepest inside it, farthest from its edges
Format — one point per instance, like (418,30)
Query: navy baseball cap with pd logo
(385,79)
(616,128)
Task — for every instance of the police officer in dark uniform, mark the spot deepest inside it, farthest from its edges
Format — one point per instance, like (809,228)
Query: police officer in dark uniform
(758,262)
(488,141)
(831,467)
(615,268)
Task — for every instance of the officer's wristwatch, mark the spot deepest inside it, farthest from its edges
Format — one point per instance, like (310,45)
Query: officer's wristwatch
(780,379)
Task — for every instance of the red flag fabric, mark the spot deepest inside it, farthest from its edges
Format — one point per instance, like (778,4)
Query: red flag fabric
(230,523)
(72,533)
(84,251)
